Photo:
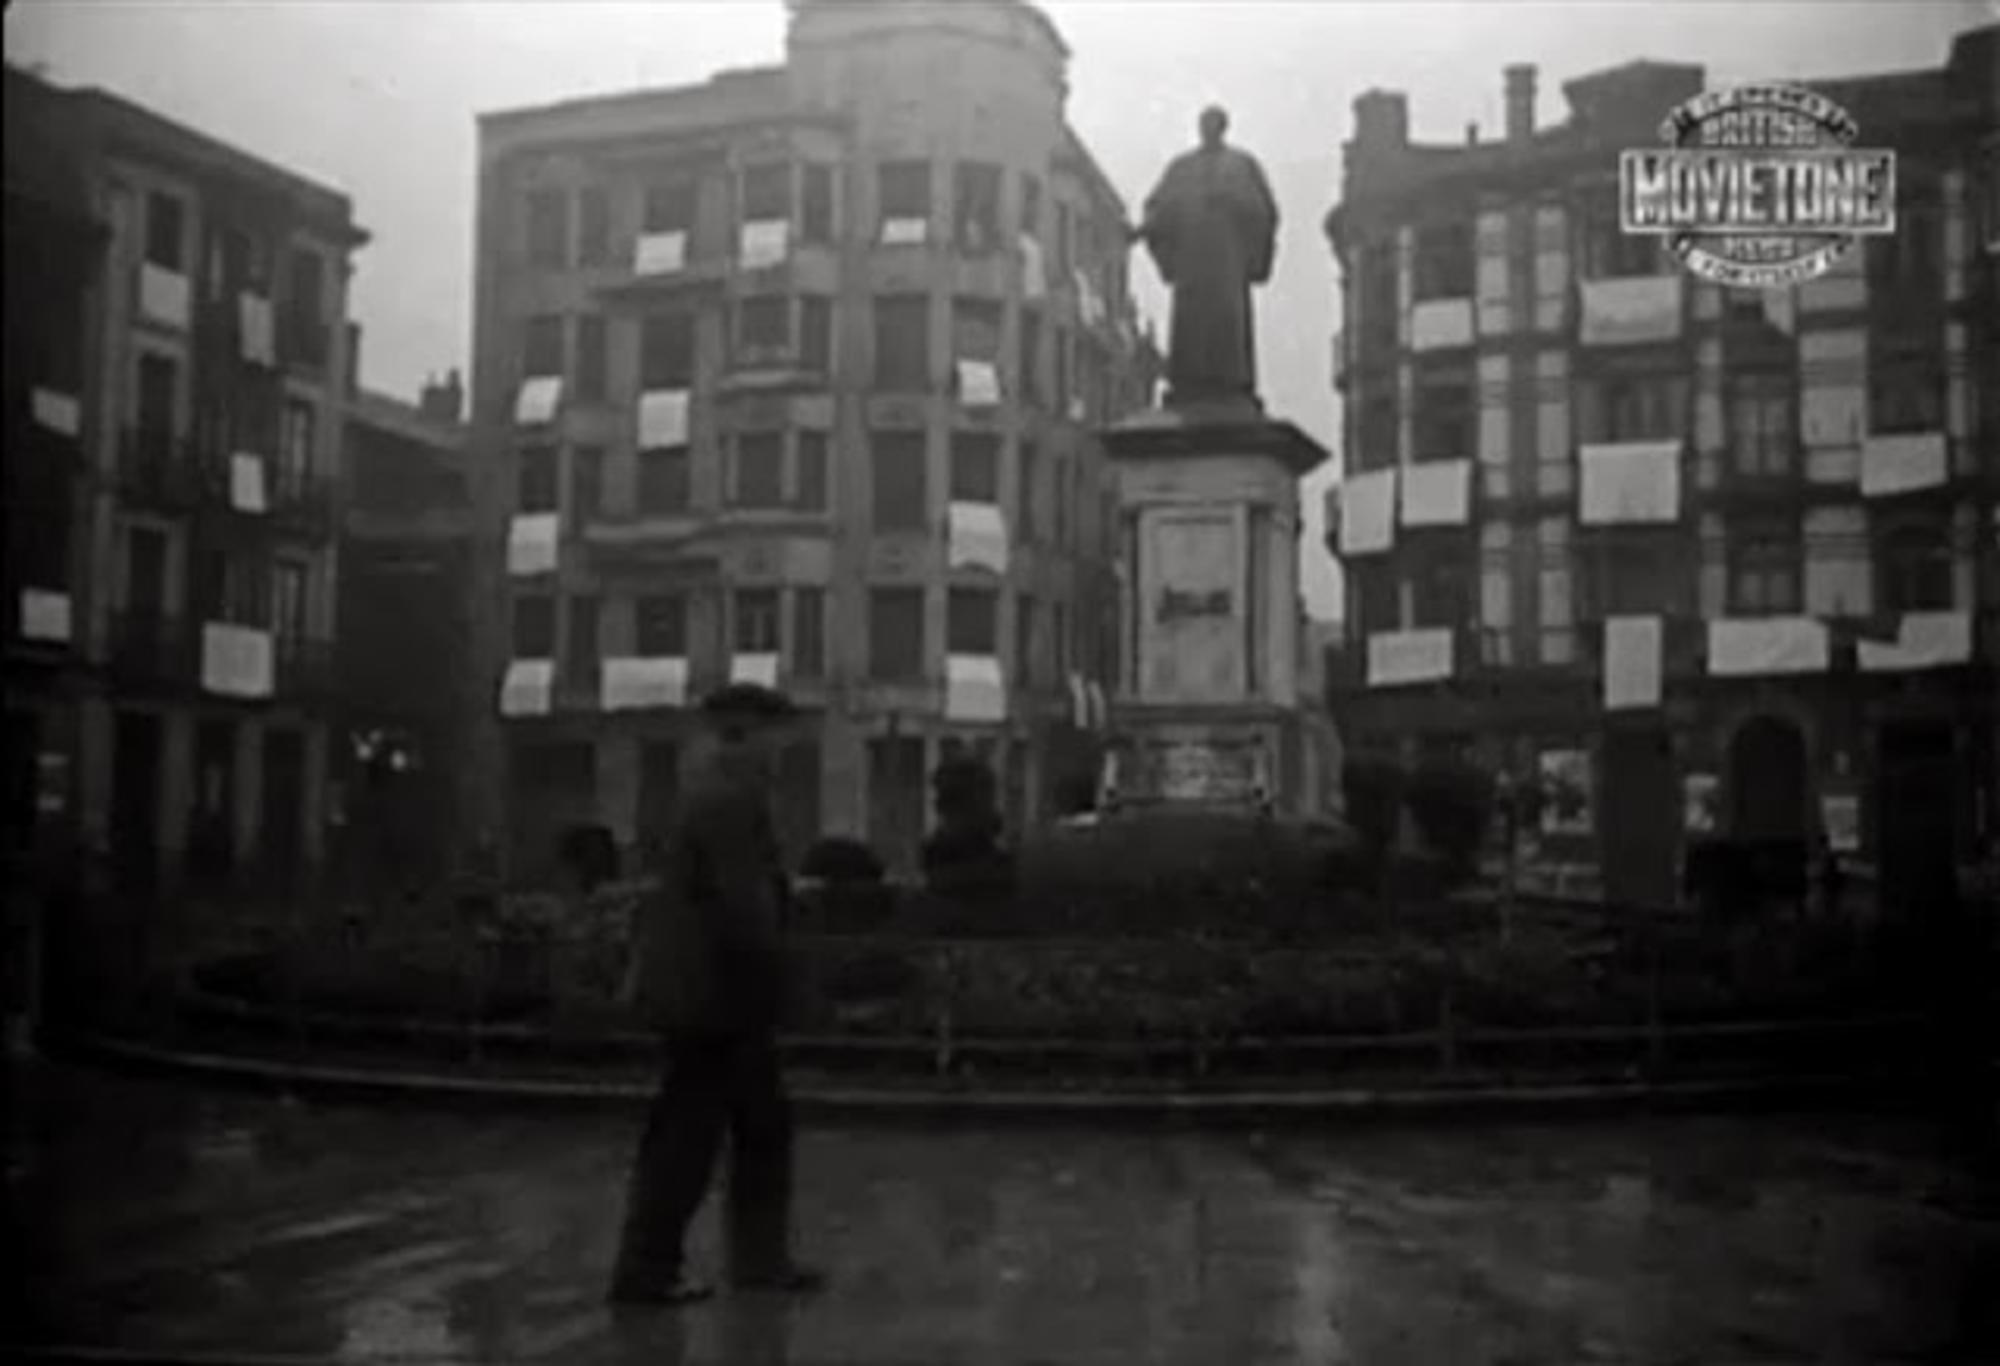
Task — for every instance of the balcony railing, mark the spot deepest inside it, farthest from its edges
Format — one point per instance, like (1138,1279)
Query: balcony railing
(157,472)
(152,649)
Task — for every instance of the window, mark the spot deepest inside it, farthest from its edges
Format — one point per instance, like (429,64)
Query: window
(535,627)
(1028,380)
(767,192)
(1764,569)
(1915,573)
(166,232)
(243,262)
(1065,237)
(1443,268)
(905,190)
(975,330)
(811,472)
(542,345)
(666,351)
(901,496)
(1762,441)
(902,343)
(763,328)
(1059,471)
(659,626)
(1031,205)
(295,448)
(548,229)
(972,621)
(586,483)
(1065,369)
(1609,252)
(1028,499)
(976,208)
(896,633)
(1441,592)
(536,486)
(1444,422)
(1906,267)
(593,227)
(1906,392)
(808,633)
(760,465)
(305,309)
(753,621)
(668,206)
(580,657)
(975,467)
(1378,326)
(1631,580)
(1376,599)
(289,579)
(590,358)
(816,335)
(1635,408)
(158,384)
(816,204)
(663,482)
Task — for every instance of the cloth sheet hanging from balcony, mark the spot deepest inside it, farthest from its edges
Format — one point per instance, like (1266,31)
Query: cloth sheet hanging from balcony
(1629,483)
(539,398)
(1750,647)
(974,689)
(754,666)
(254,336)
(660,253)
(528,689)
(45,616)
(247,480)
(1089,303)
(1437,493)
(1903,463)
(636,684)
(1441,324)
(976,536)
(905,232)
(1630,311)
(1924,640)
(163,295)
(1368,512)
(1632,648)
(763,243)
(56,412)
(663,419)
(1396,658)
(236,661)
(531,543)
(978,384)
(1034,269)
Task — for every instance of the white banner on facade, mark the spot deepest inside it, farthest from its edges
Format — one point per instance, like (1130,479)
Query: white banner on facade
(760,667)
(1632,482)
(163,295)
(247,491)
(528,689)
(640,683)
(1034,271)
(1632,648)
(1437,493)
(1368,512)
(763,243)
(45,616)
(1631,310)
(977,535)
(1924,640)
(236,661)
(1746,647)
(1397,658)
(1903,463)
(59,413)
(978,384)
(253,329)
(1701,803)
(905,232)
(660,253)
(538,400)
(531,543)
(975,690)
(663,419)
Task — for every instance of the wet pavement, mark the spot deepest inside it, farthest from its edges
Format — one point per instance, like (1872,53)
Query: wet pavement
(163,1220)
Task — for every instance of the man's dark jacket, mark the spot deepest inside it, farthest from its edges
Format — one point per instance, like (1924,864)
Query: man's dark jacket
(709,940)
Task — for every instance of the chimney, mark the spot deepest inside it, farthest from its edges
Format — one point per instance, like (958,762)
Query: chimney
(1471,135)
(1381,122)
(1520,103)
(443,402)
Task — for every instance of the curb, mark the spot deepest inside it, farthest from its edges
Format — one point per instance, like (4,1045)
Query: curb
(388,1086)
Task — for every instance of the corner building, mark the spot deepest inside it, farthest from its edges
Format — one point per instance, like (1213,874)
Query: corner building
(173,409)
(1712,562)
(789,377)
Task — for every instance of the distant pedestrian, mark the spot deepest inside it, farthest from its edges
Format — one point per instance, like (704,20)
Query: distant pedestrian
(707,972)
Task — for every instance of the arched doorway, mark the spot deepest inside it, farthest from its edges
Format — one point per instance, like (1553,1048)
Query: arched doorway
(1767,780)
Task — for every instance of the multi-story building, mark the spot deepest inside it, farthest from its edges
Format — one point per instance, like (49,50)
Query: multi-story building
(406,598)
(193,413)
(1703,559)
(790,377)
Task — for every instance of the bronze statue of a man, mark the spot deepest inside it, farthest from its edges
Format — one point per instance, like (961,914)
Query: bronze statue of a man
(1211,226)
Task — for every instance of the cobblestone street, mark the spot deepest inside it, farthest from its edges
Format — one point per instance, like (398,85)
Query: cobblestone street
(165,1220)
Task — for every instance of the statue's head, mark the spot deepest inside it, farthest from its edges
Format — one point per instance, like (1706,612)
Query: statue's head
(1214,123)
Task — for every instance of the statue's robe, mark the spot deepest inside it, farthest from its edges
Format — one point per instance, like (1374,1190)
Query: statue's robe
(1211,225)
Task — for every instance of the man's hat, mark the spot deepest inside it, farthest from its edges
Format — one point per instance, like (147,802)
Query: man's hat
(748,702)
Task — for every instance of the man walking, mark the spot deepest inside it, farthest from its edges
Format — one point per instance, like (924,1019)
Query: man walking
(707,972)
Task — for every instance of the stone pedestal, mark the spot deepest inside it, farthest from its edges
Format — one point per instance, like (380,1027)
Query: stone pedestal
(1210,705)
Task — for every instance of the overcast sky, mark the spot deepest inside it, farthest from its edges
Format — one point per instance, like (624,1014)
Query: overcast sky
(378,98)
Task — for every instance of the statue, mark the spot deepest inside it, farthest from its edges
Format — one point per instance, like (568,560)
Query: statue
(1211,226)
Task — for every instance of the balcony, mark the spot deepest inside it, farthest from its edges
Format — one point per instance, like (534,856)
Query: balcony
(1441,325)
(663,264)
(1634,310)
(156,472)
(151,650)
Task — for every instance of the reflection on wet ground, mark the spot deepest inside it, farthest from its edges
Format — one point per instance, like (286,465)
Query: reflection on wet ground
(170,1220)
